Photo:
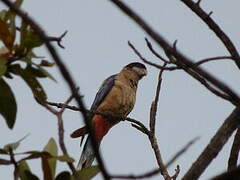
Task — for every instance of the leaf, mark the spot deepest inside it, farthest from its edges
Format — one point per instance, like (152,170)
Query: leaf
(18,3)
(65,158)
(88,172)
(3,14)
(50,163)
(8,106)
(35,86)
(30,176)
(2,151)
(23,166)
(5,162)
(31,81)
(35,155)
(3,67)
(25,172)
(46,73)
(65,175)
(28,38)
(5,35)
(14,145)
(46,63)
(36,72)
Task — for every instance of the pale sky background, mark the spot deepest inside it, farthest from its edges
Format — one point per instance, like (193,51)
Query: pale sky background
(96,47)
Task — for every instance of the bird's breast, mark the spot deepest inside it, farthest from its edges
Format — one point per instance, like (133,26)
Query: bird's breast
(120,100)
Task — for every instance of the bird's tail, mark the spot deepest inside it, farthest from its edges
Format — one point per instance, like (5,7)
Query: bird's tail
(87,156)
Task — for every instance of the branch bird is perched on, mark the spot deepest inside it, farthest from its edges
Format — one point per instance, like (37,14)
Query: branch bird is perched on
(117,97)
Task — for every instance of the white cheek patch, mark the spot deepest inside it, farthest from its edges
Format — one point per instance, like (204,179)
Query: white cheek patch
(140,71)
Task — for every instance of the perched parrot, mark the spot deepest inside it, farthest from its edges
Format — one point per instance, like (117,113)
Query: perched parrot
(116,96)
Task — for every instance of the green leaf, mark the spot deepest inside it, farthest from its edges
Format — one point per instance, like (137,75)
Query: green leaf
(3,67)
(5,35)
(25,172)
(46,63)
(46,73)
(3,151)
(3,14)
(65,158)
(23,166)
(36,72)
(65,175)
(88,172)
(28,38)
(5,162)
(8,106)
(14,145)
(31,81)
(18,3)
(30,176)
(51,148)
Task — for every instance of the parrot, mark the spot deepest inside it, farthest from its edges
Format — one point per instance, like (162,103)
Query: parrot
(116,96)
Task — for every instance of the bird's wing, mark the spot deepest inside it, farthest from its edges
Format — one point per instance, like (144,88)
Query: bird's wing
(101,94)
(103,91)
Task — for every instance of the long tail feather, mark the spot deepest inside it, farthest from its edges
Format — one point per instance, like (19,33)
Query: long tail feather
(87,156)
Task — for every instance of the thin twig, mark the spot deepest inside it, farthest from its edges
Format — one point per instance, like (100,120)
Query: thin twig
(149,62)
(66,75)
(14,162)
(155,53)
(212,59)
(233,158)
(156,171)
(58,39)
(154,105)
(182,151)
(61,128)
(60,105)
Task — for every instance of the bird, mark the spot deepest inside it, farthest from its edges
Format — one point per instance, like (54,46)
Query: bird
(116,96)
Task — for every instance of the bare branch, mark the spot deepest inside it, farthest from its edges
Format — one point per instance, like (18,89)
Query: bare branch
(156,171)
(155,53)
(212,59)
(233,174)
(215,28)
(181,60)
(182,151)
(214,146)
(61,128)
(233,158)
(149,62)
(14,162)
(154,105)
(58,39)
(198,2)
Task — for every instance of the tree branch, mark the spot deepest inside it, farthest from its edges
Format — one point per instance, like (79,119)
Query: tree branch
(149,62)
(233,174)
(181,60)
(156,171)
(212,59)
(232,161)
(214,146)
(58,39)
(215,28)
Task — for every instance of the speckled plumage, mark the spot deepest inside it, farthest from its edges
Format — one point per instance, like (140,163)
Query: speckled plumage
(116,96)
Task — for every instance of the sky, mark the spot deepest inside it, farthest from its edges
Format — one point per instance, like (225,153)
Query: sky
(96,47)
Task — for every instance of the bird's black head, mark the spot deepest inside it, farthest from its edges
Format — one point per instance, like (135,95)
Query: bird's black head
(136,64)
(139,68)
